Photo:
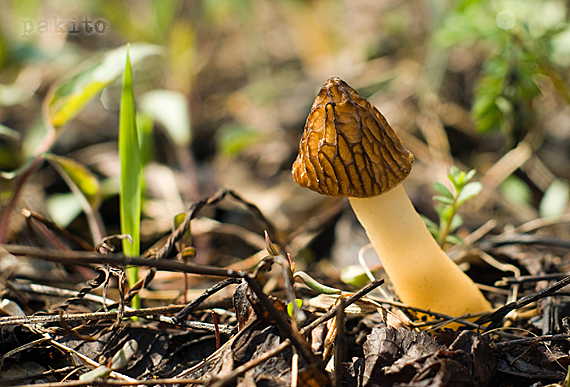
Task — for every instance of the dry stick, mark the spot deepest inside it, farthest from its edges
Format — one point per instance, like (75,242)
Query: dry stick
(529,278)
(32,376)
(196,207)
(82,258)
(50,225)
(216,327)
(147,313)
(307,329)
(349,301)
(294,368)
(440,316)
(532,340)
(47,337)
(284,325)
(271,229)
(542,222)
(198,300)
(58,292)
(181,231)
(119,259)
(500,313)
(340,343)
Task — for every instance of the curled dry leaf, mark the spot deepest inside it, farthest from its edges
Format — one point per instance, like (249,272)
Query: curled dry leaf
(394,356)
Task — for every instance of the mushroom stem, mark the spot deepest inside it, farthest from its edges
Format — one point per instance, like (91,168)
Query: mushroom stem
(422,274)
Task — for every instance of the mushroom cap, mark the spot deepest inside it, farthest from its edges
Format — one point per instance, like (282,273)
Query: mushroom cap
(348,148)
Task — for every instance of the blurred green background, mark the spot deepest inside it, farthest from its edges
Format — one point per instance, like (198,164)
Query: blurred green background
(477,84)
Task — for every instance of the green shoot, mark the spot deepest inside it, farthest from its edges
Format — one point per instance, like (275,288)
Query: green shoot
(315,285)
(291,308)
(449,204)
(130,192)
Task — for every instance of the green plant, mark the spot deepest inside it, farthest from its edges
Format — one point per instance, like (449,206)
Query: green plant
(449,204)
(522,42)
(130,191)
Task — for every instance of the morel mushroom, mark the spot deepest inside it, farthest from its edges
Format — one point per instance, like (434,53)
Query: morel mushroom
(349,149)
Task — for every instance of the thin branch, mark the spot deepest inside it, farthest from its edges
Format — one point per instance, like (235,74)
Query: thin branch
(149,313)
(84,258)
(500,313)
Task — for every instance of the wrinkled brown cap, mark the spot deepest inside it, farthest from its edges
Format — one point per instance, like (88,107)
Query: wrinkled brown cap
(348,148)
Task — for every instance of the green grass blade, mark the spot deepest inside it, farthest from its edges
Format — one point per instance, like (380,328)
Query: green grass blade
(130,193)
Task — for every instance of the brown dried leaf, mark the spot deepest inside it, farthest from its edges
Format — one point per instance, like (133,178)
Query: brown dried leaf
(391,351)
(415,359)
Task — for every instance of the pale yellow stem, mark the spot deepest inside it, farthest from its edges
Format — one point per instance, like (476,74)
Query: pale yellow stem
(422,274)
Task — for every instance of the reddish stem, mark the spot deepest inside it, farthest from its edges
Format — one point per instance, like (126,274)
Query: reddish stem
(217,330)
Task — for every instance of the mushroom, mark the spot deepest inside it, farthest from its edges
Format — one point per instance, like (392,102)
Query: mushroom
(348,149)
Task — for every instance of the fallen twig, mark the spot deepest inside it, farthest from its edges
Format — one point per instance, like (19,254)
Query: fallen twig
(500,313)
(149,313)
(83,258)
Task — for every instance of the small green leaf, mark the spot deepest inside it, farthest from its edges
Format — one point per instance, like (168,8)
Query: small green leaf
(442,189)
(316,286)
(470,190)
(429,223)
(469,175)
(101,372)
(269,246)
(85,181)
(454,240)
(124,355)
(454,175)
(290,310)
(443,199)
(130,197)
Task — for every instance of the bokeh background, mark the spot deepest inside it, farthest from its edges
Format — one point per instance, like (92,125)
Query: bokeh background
(472,83)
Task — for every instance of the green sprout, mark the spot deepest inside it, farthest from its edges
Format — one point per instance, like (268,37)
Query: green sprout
(449,204)
(130,191)
(291,309)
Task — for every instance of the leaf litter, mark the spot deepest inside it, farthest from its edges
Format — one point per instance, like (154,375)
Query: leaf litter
(71,333)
